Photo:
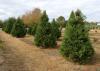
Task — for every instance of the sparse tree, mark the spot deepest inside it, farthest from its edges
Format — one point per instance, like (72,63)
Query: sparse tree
(32,16)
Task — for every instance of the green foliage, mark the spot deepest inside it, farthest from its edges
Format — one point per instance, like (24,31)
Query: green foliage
(64,25)
(55,29)
(8,24)
(1,24)
(4,25)
(76,45)
(18,29)
(92,25)
(61,22)
(32,29)
(44,36)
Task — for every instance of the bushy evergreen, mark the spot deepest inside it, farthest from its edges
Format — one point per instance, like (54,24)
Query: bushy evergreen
(55,29)
(9,24)
(18,29)
(44,36)
(76,45)
(32,29)
(4,26)
(1,23)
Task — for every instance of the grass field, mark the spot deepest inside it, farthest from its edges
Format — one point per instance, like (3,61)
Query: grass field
(22,55)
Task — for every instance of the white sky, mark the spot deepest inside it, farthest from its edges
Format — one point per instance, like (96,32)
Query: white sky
(54,8)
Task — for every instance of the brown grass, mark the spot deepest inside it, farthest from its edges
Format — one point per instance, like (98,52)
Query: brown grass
(22,55)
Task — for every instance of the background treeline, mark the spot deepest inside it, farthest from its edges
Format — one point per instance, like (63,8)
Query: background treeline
(33,17)
(92,25)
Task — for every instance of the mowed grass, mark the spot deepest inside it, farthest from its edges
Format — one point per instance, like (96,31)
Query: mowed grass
(54,54)
(94,36)
(22,56)
(1,44)
(95,40)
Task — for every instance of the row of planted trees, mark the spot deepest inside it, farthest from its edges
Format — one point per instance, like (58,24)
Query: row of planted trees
(92,25)
(15,27)
(76,45)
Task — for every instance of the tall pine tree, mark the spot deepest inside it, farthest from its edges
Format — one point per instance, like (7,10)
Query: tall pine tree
(76,45)
(44,36)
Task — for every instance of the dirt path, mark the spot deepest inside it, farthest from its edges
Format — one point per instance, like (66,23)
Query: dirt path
(20,56)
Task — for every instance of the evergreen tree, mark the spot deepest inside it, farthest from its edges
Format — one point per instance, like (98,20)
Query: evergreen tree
(61,22)
(1,23)
(18,29)
(44,36)
(9,24)
(32,29)
(55,29)
(76,45)
(4,25)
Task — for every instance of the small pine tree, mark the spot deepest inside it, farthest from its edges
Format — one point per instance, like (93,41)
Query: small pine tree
(55,29)
(32,29)
(76,45)
(9,24)
(18,29)
(44,36)
(4,25)
(1,23)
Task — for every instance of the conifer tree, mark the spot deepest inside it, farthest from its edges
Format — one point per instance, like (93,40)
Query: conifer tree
(18,29)
(76,45)
(32,29)
(61,22)
(1,23)
(55,29)
(9,24)
(4,25)
(44,36)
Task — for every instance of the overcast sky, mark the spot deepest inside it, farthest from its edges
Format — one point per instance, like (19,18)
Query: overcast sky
(54,8)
